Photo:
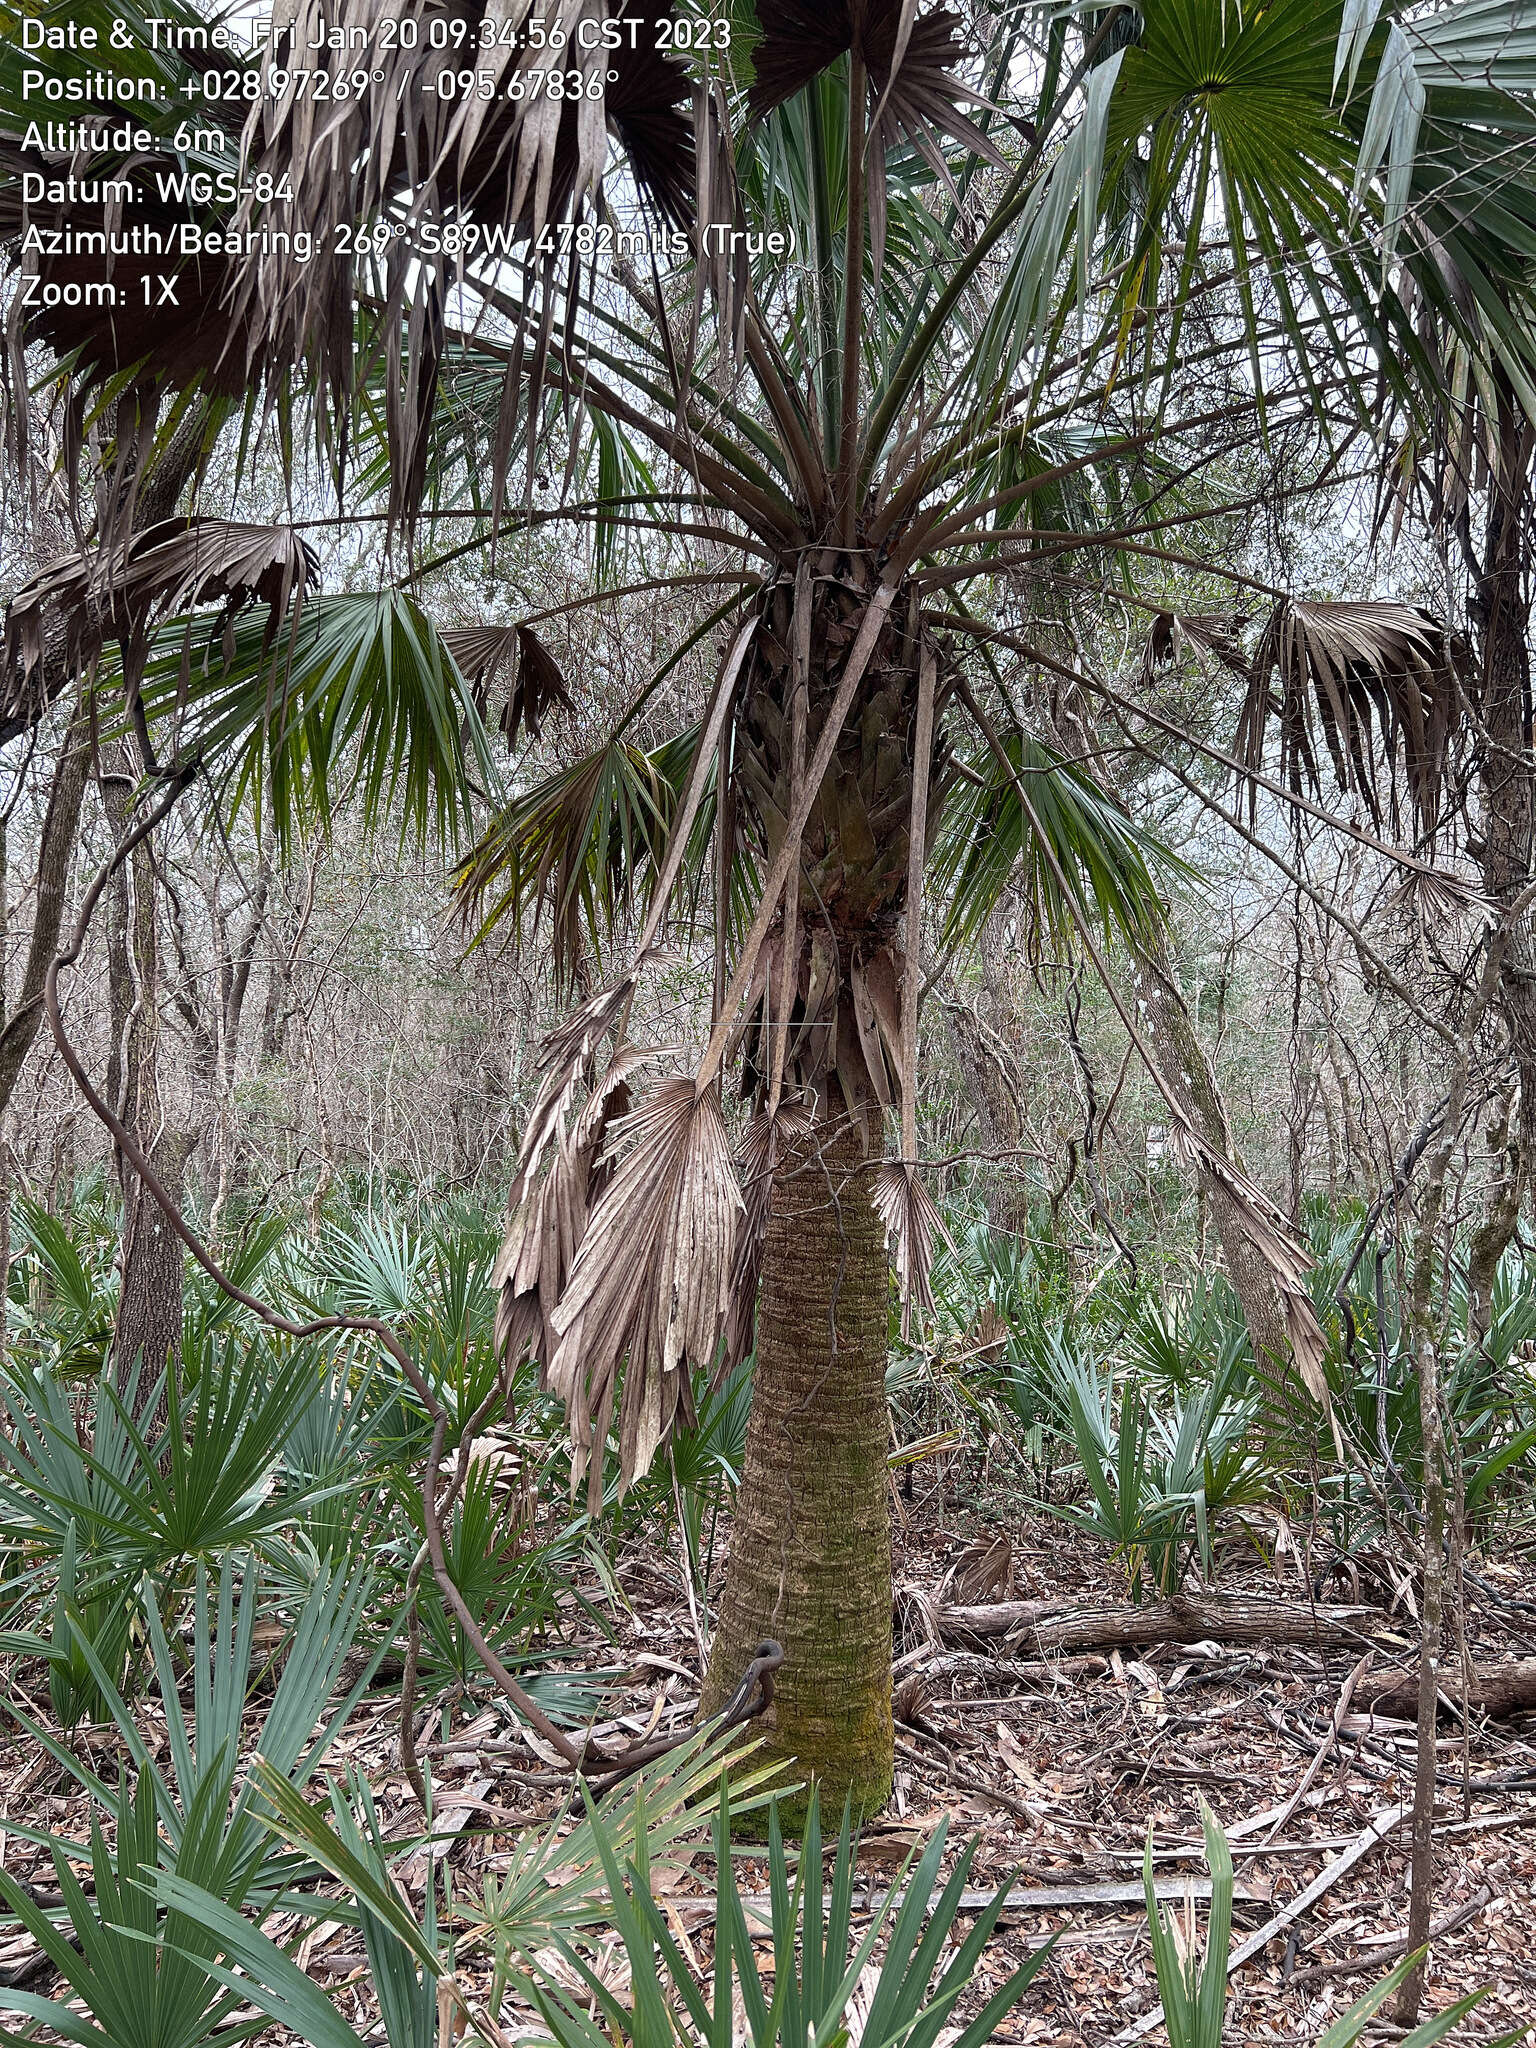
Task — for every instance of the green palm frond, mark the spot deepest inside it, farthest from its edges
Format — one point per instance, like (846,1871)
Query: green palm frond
(989,842)
(358,699)
(584,846)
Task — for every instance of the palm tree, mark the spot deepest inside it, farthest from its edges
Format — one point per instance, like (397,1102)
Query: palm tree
(926,294)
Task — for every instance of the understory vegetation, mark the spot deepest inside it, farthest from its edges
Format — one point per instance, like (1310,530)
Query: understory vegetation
(227,1562)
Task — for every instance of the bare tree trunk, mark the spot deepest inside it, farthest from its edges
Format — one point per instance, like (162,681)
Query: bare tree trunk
(61,829)
(1193,1080)
(1508,791)
(149,1306)
(1508,803)
(810,1558)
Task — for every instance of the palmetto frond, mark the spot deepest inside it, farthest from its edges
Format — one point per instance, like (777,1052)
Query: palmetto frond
(1381,682)
(359,700)
(990,841)
(121,592)
(913,1227)
(1208,636)
(583,847)
(505,159)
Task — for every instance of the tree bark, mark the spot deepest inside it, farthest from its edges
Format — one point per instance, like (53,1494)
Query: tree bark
(810,1559)
(1052,1626)
(1507,788)
(1193,1081)
(1493,1689)
(149,1307)
(61,829)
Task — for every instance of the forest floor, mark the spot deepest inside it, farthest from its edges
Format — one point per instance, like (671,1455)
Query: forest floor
(1059,1771)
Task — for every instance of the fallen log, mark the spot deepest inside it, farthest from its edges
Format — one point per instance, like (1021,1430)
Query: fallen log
(1051,1626)
(1496,1689)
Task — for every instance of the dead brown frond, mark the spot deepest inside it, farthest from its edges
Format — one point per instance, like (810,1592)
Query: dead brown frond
(122,591)
(1173,635)
(567,1062)
(911,1700)
(1282,1251)
(912,1222)
(1435,900)
(549,1219)
(534,684)
(403,153)
(910,60)
(558,1176)
(1381,681)
(984,1571)
(650,1281)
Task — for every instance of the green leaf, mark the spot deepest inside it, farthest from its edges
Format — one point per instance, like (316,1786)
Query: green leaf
(357,700)
(988,840)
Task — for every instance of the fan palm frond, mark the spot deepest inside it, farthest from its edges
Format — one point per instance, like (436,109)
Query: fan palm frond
(361,701)
(1381,681)
(987,840)
(584,846)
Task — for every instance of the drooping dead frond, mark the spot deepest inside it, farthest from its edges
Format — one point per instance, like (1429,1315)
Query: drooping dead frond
(650,1282)
(1435,899)
(566,1064)
(121,591)
(912,1222)
(549,1218)
(909,58)
(1173,635)
(534,685)
(722,271)
(1378,680)
(1281,1250)
(508,159)
(557,1176)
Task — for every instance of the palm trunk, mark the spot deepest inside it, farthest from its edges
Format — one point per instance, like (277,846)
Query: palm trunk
(810,1559)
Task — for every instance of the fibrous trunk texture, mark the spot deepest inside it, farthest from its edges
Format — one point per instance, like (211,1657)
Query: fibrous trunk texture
(810,1560)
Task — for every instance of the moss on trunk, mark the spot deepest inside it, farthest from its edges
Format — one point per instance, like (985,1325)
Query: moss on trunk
(810,1555)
